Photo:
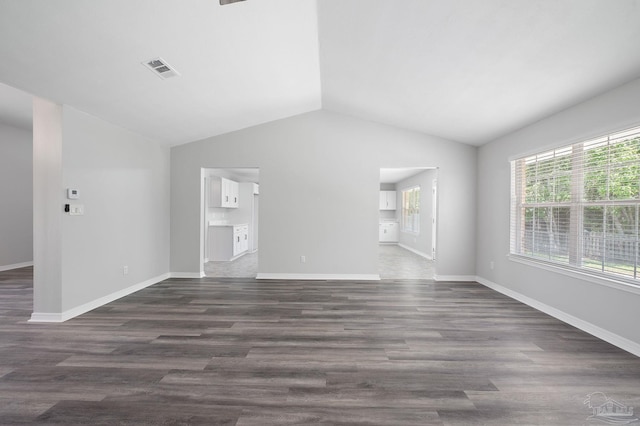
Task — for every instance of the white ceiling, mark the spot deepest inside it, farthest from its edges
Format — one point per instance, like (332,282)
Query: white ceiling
(466,70)
(237,174)
(241,64)
(399,174)
(473,70)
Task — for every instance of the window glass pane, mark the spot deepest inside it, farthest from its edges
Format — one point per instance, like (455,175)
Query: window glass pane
(613,171)
(528,235)
(547,233)
(620,240)
(596,169)
(531,188)
(548,177)
(559,229)
(610,239)
(416,210)
(623,182)
(545,181)
(593,237)
(563,187)
(623,177)
(405,208)
(411,209)
(563,178)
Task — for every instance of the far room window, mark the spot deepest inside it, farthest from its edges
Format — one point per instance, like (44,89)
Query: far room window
(411,209)
(578,206)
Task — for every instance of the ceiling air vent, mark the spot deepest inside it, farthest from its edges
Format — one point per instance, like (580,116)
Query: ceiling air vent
(161,68)
(223,2)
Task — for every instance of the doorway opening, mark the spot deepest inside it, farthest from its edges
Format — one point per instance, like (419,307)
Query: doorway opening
(408,222)
(230,222)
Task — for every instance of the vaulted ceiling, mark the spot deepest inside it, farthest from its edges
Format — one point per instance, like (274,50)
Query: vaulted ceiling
(465,70)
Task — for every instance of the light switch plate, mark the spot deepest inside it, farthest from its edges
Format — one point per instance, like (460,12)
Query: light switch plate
(76,209)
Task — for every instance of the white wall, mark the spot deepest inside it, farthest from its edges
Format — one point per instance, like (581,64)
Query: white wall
(16,193)
(319,190)
(123,180)
(47,206)
(612,313)
(423,241)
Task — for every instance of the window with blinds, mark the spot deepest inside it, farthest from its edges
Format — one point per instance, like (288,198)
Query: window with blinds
(578,206)
(411,210)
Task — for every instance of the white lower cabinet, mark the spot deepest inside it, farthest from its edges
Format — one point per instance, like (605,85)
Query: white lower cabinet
(240,239)
(388,232)
(227,242)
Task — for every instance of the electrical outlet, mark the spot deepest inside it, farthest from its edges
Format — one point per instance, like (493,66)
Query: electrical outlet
(303,259)
(125,270)
(491,265)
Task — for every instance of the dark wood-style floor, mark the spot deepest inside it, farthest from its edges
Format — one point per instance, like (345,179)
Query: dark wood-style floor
(241,352)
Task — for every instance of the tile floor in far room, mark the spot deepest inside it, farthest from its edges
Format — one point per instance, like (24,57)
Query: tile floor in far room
(394,262)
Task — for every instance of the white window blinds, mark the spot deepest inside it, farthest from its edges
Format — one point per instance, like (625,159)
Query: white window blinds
(411,210)
(578,206)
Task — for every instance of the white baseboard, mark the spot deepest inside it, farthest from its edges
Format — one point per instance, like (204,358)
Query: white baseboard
(323,277)
(587,327)
(465,278)
(419,253)
(15,266)
(187,275)
(238,256)
(45,317)
(79,310)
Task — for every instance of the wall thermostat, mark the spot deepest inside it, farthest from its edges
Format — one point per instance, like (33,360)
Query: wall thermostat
(73,194)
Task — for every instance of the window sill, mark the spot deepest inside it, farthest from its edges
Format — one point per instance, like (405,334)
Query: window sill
(577,274)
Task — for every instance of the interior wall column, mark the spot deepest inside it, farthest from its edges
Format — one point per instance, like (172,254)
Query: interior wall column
(47,210)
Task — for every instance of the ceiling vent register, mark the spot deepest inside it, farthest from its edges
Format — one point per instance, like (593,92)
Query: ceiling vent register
(161,68)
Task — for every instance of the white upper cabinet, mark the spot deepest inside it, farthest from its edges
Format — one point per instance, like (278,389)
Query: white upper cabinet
(234,193)
(224,193)
(387,200)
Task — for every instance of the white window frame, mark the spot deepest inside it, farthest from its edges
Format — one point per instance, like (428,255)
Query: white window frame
(573,265)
